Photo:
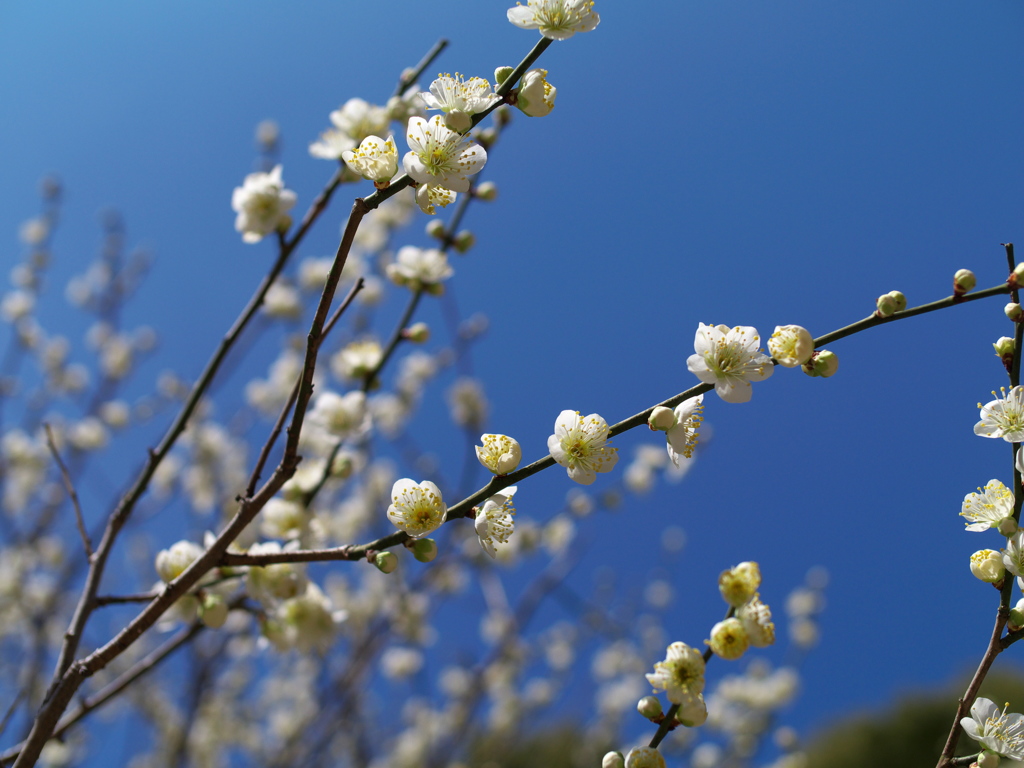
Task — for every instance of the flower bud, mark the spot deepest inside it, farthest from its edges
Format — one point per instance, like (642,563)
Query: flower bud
(987,565)
(487,191)
(464,240)
(822,363)
(386,562)
(900,299)
(1007,527)
(501,74)
(693,712)
(535,96)
(739,584)
(987,759)
(458,121)
(423,550)
(613,760)
(963,281)
(649,707)
(661,419)
(644,757)
(1004,347)
(1014,312)
(417,333)
(435,228)
(342,466)
(487,137)
(213,611)
(1017,275)
(1016,620)
(885,304)
(729,639)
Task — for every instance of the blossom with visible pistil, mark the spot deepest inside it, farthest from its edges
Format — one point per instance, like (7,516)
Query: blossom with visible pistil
(416,508)
(681,438)
(499,453)
(989,507)
(730,359)
(680,675)
(1003,417)
(556,19)
(579,445)
(729,639)
(494,520)
(449,94)
(439,155)
(429,196)
(374,159)
(997,730)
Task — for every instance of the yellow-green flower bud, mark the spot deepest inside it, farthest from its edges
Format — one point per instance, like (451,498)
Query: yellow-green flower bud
(435,228)
(899,299)
(1016,620)
(739,584)
(1017,276)
(822,363)
(487,191)
(1004,347)
(1014,312)
(729,639)
(458,121)
(464,240)
(987,565)
(418,333)
(386,562)
(424,550)
(963,281)
(613,760)
(661,419)
(501,74)
(987,759)
(342,466)
(885,304)
(693,712)
(649,707)
(213,611)
(1007,526)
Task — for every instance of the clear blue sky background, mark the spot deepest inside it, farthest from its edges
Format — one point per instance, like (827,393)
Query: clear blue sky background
(737,162)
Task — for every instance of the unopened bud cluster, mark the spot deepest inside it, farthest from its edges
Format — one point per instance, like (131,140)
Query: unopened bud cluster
(890,303)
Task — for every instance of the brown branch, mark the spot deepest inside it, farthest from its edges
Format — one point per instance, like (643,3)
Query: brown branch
(70,488)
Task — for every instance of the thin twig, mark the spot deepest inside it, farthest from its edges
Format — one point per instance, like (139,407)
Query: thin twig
(409,77)
(70,488)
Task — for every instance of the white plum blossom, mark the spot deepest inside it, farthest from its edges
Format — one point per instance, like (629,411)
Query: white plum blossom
(449,94)
(729,639)
(1013,555)
(680,675)
(430,196)
(499,453)
(730,359)
(306,622)
(535,96)
(16,305)
(416,508)
(418,268)
(556,19)
(987,565)
(282,519)
(1000,731)
(374,159)
(262,204)
(439,155)
(340,415)
(353,121)
(757,621)
(357,359)
(791,345)
(681,438)
(282,300)
(579,445)
(989,507)
(1003,417)
(494,520)
(468,403)
(171,563)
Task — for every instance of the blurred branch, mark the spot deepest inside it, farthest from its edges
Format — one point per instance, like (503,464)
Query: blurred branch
(70,488)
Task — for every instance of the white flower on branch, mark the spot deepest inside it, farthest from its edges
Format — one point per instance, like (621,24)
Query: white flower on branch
(262,204)
(419,268)
(357,359)
(468,403)
(340,415)
(374,159)
(756,618)
(430,196)
(989,507)
(730,359)
(439,155)
(681,438)
(579,445)
(456,94)
(556,19)
(499,453)
(791,345)
(680,675)
(1000,731)
(1003,417)
(644,757)
(171,563)
(495,520)
(416,508)
(535,96)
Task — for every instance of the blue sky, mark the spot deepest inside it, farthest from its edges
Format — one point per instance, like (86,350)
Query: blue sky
(746,163)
